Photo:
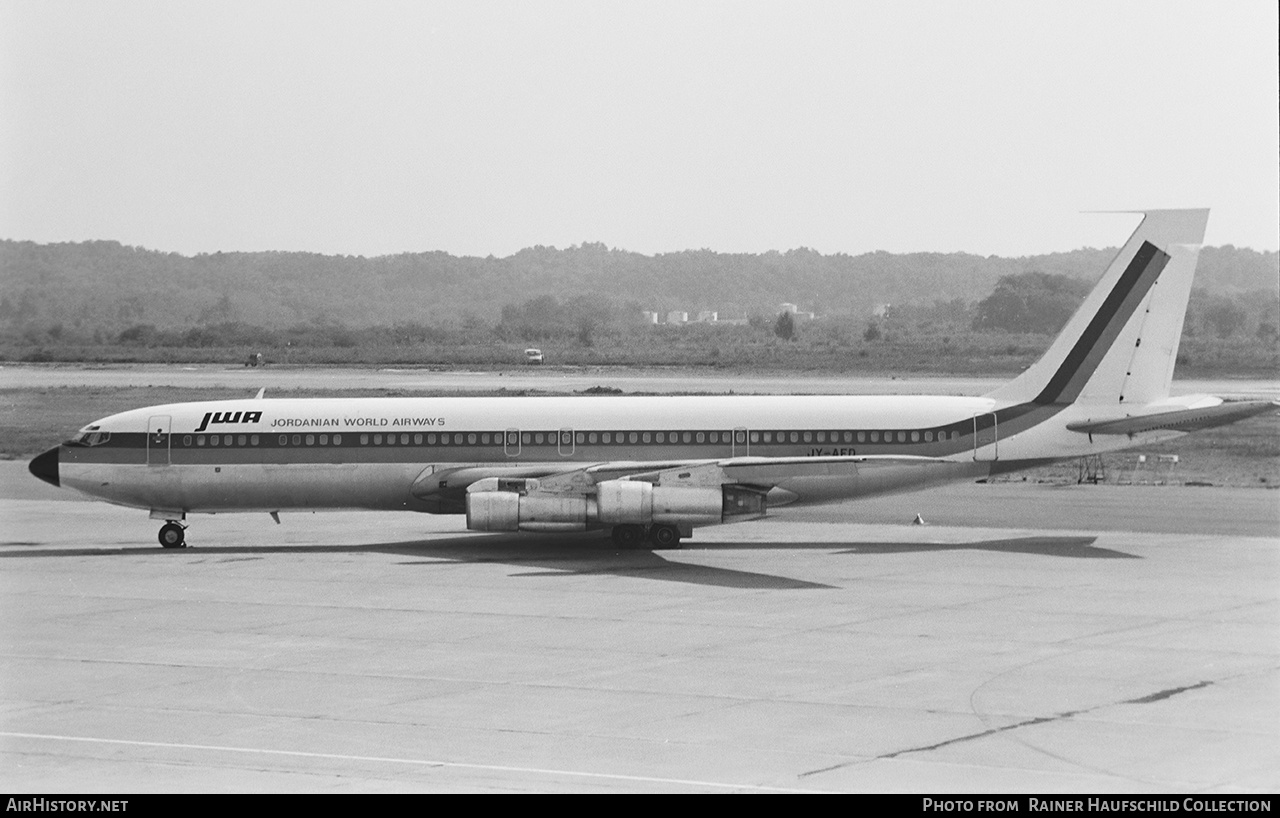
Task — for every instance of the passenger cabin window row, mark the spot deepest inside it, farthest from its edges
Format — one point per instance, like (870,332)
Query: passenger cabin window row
(198,441)
(567,438)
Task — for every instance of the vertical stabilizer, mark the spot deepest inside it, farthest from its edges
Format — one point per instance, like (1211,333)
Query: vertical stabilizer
(1121,345)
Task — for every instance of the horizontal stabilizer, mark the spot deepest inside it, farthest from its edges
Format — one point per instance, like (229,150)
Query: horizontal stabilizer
(1183,420)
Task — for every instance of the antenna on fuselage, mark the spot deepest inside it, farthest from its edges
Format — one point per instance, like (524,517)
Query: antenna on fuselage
(261,392)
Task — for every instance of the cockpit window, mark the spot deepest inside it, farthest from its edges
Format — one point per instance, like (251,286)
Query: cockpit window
(91,436)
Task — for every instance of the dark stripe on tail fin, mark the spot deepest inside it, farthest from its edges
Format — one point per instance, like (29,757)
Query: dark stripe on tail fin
(1093,344)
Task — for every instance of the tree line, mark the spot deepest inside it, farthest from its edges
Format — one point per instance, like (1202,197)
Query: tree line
(107,287)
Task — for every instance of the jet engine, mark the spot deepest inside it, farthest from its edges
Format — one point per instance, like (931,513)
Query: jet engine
(501,504)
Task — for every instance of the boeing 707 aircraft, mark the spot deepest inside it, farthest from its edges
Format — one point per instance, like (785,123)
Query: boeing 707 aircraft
(652,469)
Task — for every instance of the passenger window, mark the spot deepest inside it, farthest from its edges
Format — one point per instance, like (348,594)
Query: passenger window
(337,440)
(755,437)
(186,440)
(768,437)
(875,437)
(862,437)
(526,438)
(700,437)
(687,437)
(581,438)
(253,440)
(377,440)
(633,437)
(213,440)
(848,437)
(902,437)
(822,437)
(417,440)
(364,440)
(607,437)
(593,437)
(645,438)
(471,439)
(928,437)
(915,437)
(324,440)
(311,440)
(795,437)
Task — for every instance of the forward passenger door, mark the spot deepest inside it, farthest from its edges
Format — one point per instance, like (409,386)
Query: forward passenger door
(158,433)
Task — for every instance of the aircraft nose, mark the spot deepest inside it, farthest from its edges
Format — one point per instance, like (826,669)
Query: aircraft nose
(45,466)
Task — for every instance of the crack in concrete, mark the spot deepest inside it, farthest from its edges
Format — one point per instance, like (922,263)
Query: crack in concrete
(1154,697)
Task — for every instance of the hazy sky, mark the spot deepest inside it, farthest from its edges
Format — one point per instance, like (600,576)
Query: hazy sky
(484,127)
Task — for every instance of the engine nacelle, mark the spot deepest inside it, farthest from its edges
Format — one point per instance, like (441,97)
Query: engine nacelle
(640,503)
(503,504)
(496,504)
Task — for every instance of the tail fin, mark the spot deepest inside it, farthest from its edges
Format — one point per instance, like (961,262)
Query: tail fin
(1120,346)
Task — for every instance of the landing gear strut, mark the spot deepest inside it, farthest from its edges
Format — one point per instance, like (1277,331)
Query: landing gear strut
(173,535)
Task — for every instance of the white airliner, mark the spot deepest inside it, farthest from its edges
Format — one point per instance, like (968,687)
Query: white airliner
(654,468)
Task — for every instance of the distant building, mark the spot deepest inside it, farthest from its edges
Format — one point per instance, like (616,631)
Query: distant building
(682,317)
(796,314)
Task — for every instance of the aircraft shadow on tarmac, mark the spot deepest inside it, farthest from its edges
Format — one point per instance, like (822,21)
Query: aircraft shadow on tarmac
(553,556)
(1071,547)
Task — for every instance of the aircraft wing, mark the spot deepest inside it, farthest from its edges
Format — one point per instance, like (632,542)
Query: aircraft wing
(762,474)
(1181,420)
(759,471)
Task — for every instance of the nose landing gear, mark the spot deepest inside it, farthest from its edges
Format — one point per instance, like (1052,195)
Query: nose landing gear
(173,535)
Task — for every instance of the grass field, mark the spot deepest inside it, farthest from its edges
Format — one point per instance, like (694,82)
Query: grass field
(1245,454)
(821,348)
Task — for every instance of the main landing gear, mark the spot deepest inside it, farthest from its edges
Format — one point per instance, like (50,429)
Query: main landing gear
(173,535)
(634,536)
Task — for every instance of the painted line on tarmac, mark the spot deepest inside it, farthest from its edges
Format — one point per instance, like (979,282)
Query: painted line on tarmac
(414,761)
